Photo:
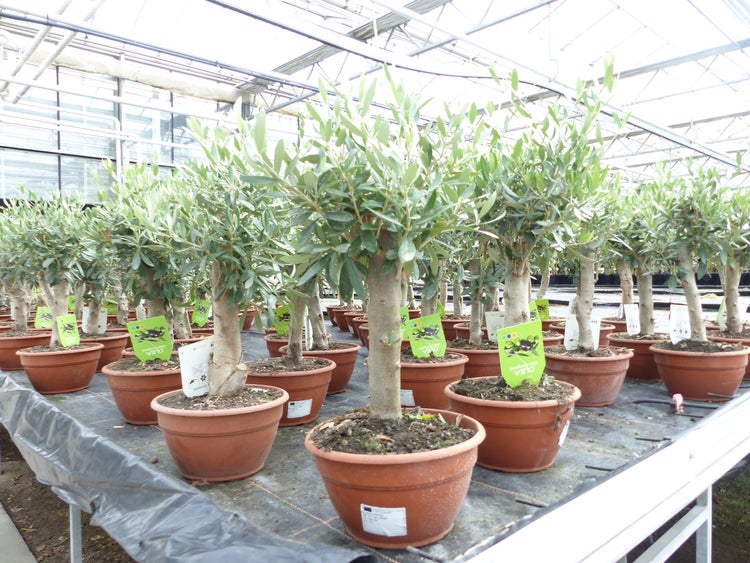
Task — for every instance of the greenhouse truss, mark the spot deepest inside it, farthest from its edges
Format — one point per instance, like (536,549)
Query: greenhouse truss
(82,80)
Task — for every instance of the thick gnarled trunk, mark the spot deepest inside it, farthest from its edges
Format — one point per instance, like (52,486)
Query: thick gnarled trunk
(516,296)
(224,377)
(57,300)
(692,296)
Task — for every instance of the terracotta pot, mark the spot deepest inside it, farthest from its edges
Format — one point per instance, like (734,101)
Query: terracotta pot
(205,331)
(356,322)
(349,316)
(423,491)
(219,445)
(481,363)
(307,391)
(556,340)
(274,343)
(744,341)
(331,311)
(449,327)
(599,378)
(604,331)
(642,365)
(414,313)
(61,371)
(701,376)
(247,318)
(133,391)
(114,344)
(521,436)
(547,323)
(422,384)
(9,345)
(364,335)
(619,324)
(341,320)
(345,360)
(463,331)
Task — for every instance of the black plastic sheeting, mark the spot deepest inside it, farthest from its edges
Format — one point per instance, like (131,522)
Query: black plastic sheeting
(153,516)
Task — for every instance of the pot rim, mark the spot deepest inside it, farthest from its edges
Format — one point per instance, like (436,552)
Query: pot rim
(158,407)
(89,347)
(514,404)
(744,351)
(457,362)
(566,358)
(304,373)
(402,459)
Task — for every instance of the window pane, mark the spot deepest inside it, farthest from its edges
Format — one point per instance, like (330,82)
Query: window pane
(83,177)
(34,171)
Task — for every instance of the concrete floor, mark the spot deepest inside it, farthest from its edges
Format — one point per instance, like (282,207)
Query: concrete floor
(288,497)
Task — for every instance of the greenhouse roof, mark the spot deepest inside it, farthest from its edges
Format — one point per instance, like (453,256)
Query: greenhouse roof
(683,65)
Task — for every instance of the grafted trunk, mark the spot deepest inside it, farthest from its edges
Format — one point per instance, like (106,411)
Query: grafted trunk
(692,296)
(477,310)
(516,296)
(224,377)
(627,293)
(731,282)
(57,300)
(584,303)
(296,326)
(645,298)
(80,291)
(317,321)
(385,334)
(181,322)
(95,324)
(19,306)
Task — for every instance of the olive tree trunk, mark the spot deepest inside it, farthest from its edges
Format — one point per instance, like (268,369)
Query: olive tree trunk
(19,306)
(94,323)
(584,303)
(296,326)
(627,293)
(383,318)
(515,298)
(477,310)
(317,321)
(692,296)
(731,282)
(645,298)
(224,377)
(543,284)
(57,300)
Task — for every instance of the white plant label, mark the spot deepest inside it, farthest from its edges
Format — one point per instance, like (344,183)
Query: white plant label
(721,316)
(679,323)
(494,320)
(194,360)
(570,340)
(407,398)
(298,409)
(308,332)
(389,522)
(101,322)
(632,318)
(563,434)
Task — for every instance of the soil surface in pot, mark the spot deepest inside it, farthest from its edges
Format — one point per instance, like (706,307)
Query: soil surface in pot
(723,334)
(247,397)
(284,364)
(409,358)
(601,352)
(655,336)
(333,346)
(701,346)
(496,389)
(462,343)
(134,364)
(48,348)
(415,431)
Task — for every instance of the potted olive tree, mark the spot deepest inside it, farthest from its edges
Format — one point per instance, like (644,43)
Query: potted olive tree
(50,232)
(694,214)
(380,189)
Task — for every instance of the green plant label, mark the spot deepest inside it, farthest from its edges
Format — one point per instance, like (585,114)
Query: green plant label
(494,320)
(67,328)
(151,338)
(632,320)
(110,305)
(426,336)
(201,307)
(43,317)
(194,360)
(441,310)
(281,316)
(521,349)
(542,308)
(679,323)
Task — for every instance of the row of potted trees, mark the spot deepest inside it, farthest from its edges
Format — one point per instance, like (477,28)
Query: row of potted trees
(362,200)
